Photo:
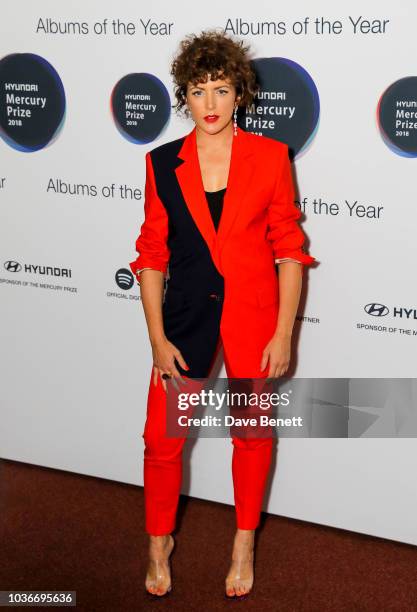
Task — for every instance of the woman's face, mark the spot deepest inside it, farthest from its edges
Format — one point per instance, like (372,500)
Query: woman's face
(212,104)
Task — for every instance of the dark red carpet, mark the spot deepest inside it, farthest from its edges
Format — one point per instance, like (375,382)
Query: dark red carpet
(62,531)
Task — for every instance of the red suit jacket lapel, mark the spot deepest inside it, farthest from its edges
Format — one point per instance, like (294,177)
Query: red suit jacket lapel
(236,196)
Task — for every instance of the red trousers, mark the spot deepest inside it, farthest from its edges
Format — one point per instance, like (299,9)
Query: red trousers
(251,459)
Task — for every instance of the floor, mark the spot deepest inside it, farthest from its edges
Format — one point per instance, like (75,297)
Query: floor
(63,531)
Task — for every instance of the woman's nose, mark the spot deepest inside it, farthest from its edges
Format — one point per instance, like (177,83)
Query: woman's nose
(210,100)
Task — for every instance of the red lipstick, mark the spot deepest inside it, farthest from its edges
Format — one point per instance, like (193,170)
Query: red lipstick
(211,118)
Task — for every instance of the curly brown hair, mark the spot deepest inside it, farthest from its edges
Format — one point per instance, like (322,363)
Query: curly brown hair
(215,53)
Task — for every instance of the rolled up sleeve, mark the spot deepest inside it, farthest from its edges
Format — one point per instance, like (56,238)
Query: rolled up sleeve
(151,244)
(284,233)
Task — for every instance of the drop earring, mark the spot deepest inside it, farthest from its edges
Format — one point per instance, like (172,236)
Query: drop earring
(235,121)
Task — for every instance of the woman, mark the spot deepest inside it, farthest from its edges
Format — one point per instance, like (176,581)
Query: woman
(219,211)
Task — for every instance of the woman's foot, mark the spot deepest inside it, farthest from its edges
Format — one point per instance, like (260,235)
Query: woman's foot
(158,577)
(239,580)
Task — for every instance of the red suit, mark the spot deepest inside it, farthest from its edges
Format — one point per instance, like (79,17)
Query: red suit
(222,287)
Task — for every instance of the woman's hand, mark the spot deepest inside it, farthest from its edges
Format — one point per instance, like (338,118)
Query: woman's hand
(164,353)
(278,352)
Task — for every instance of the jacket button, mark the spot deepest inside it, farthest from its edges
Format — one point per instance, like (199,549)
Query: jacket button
(215,296)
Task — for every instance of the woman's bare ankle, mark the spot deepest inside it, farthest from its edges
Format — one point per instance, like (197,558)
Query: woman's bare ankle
(160,543)
(245,535)
(160,538)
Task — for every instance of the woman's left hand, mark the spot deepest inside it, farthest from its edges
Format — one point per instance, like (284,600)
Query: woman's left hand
(278,352)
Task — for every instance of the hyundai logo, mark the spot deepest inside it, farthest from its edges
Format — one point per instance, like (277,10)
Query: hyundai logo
(376,310)
(12,266)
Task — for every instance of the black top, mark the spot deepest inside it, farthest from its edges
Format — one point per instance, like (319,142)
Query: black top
(215,202)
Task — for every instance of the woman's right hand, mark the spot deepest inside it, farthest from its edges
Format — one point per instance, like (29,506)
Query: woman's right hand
(164,353)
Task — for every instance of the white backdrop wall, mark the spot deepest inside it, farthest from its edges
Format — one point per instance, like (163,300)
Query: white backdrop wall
(75,353)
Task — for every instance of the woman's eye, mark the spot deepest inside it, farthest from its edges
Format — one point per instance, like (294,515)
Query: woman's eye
(198,92)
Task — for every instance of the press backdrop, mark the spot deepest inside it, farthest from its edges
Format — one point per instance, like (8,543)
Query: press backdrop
(85,92)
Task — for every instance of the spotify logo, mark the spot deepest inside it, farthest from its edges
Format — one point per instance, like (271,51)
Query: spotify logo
(124,278)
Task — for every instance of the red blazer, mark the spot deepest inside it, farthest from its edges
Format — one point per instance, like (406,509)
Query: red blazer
(258,222)
(222,283)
